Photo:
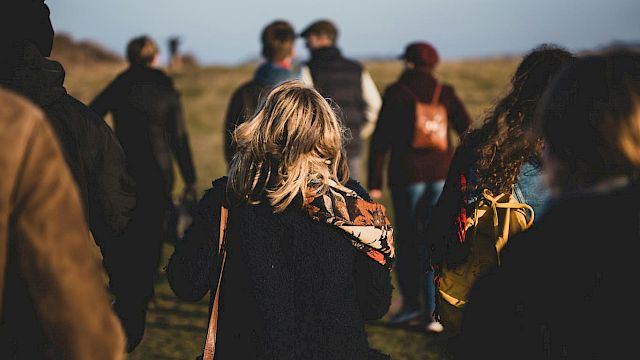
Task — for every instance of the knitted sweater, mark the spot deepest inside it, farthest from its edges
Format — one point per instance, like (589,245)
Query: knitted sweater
(292,288)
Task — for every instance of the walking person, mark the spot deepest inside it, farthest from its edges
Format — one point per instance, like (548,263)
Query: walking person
(347,83)
(148,121)
(558,278)
(415,175)
(499,156)
(299,276)
(277,40)
(92,152)
(53,302)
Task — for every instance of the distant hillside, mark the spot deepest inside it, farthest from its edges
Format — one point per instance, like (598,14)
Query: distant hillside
(621,44)
(72,52)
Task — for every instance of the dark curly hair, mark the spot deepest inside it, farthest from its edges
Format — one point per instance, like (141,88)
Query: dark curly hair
(504,142)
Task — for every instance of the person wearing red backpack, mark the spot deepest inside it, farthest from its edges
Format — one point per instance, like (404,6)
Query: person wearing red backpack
(415,174)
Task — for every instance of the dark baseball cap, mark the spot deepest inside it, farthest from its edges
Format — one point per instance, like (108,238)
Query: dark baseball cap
(421,53)
(325,27)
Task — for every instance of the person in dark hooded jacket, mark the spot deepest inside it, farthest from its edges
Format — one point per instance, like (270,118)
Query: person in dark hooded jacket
(277,48)
(91,150)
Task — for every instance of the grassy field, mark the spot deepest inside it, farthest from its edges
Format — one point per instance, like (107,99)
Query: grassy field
(175,329)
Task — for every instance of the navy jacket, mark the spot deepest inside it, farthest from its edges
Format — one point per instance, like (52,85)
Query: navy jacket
(247,98)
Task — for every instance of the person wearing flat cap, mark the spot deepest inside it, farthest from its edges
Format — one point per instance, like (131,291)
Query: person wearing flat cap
(347,83)
(415,175)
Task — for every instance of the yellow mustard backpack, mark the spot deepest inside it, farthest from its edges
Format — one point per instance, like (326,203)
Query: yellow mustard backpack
(493,221)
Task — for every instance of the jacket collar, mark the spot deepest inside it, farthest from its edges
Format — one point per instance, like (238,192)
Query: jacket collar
(417,80)
(36,77)
(326,53)
(417,74)
(270,74)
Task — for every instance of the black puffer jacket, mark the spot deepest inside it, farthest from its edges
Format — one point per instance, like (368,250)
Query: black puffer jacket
(292,288)
(340,79)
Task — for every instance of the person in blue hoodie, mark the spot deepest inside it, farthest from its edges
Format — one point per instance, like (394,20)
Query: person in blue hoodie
(278,50)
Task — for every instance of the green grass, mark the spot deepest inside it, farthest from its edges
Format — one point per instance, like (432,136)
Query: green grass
(176,329)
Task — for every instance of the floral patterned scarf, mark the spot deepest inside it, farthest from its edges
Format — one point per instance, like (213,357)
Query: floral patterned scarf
(365,220)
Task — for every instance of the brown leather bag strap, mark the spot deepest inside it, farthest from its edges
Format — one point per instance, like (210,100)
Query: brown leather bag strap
(404,86)
(436,94)
(210,344)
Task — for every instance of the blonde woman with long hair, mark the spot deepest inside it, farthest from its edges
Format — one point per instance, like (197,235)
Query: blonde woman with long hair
(308,253)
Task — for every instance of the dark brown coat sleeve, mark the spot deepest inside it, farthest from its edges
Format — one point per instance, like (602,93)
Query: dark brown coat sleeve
(194,266)
(179,140)
(457,113)
(382,138)
(56,256)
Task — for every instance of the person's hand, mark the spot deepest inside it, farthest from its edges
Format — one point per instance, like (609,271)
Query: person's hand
(190,192)
(376,194)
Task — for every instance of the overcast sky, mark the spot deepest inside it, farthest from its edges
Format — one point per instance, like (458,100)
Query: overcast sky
(227,31)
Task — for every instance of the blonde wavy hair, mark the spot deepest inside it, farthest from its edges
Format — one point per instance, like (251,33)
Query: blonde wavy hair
(292,146)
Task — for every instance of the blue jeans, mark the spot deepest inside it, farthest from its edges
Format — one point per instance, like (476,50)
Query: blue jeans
(412,206)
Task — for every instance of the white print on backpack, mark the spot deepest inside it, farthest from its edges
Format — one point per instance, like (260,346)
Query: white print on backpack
(435,125)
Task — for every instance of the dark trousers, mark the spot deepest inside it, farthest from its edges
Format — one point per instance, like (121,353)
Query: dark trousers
(152,218)
(412,206)
(142,245)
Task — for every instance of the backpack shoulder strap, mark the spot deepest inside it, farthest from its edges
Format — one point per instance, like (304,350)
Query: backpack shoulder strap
(436,93)
(210,344)
(517,192)
(407,89)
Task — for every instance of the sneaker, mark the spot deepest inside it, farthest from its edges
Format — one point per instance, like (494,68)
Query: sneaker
(434,327)
(405,316)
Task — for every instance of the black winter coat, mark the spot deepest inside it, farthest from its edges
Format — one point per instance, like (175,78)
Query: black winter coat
(292,288)
(148,121)
(92,151)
